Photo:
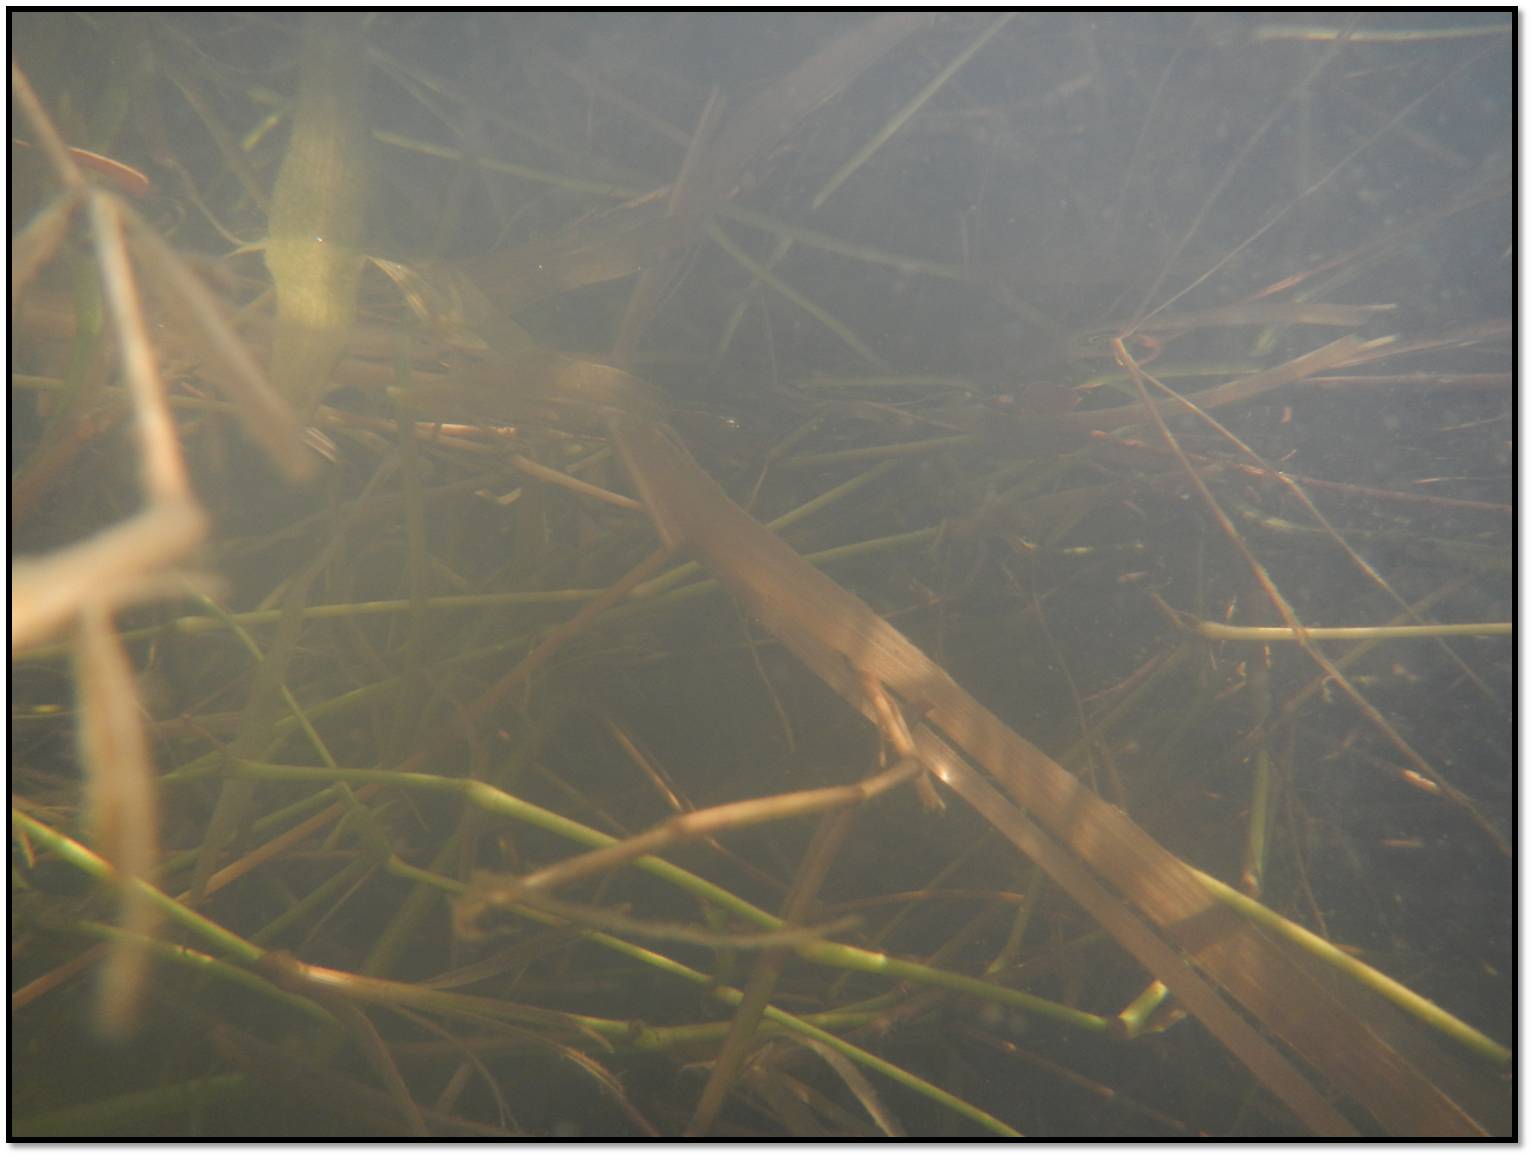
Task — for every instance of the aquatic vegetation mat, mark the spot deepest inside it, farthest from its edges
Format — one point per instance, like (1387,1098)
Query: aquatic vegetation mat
(774,575)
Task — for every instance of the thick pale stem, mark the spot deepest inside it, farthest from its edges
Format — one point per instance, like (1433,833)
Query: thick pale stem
(318,210)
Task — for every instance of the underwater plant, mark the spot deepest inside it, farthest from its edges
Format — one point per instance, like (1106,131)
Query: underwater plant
(785,575)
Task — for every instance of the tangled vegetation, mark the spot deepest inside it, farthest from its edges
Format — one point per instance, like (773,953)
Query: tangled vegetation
(409,736)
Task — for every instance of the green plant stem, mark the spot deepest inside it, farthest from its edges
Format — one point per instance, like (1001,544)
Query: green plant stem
(832,955)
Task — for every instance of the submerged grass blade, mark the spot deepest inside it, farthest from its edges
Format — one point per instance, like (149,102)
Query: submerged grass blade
(120,802)
(318,210)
